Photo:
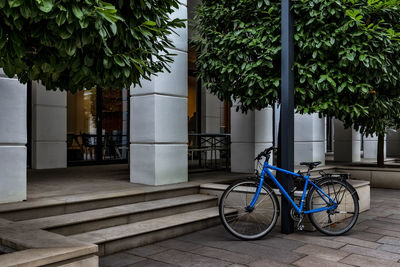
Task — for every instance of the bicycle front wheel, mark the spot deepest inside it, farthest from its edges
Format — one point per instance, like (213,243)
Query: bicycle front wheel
(245,223)
(339,220)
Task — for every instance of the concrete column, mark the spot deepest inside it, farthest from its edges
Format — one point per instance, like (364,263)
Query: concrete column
(347,143)
(158,128)
(309,138)
(13,139)
(393,143)
(251,133)
(49,128)
(210,112)
(263,130)
(211,117)
(242,141)
(371,147)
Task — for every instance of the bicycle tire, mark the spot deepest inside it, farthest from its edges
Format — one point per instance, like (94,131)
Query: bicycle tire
(344,217)
(244,224)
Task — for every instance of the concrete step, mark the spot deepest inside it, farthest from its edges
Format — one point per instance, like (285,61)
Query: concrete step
(119,238)
(85,221)
(46,207)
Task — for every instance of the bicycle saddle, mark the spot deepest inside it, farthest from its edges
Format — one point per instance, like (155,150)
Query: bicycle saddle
(311,165)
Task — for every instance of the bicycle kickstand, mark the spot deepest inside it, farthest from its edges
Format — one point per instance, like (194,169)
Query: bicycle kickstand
(300,226)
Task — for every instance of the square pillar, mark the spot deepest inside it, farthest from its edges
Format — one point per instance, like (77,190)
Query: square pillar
(347,143)
(158,120)
(309,138)
(371,147)
(13,138)
(393,143)
(49,128)
(263,130)
(251,133)
(242,141)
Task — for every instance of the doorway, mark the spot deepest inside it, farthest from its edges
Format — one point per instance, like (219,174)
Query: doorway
(97,126)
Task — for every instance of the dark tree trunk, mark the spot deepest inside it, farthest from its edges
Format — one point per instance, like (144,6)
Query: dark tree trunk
(381,156)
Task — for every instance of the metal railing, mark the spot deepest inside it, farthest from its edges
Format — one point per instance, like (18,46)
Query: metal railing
(210,151)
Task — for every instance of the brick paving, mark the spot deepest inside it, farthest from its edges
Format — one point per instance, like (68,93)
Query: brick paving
(374,241)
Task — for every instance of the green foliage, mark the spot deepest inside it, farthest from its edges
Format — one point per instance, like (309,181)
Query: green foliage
(347,62)
(72,45)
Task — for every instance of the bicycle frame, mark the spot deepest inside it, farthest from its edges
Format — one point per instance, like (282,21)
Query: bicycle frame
(299,208)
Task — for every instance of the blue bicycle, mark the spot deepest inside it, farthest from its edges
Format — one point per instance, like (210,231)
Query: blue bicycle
(249,208)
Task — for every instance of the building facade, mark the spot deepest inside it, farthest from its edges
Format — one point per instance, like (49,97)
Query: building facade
(147,127)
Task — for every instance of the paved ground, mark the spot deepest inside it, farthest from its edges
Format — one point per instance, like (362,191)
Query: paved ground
(374,241)
(95,179)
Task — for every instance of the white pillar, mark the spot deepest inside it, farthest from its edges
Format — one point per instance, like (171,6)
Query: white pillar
(13,139)
(158,128)
(309,138)
(393,143)
(49,128)
(210,109)
(371,147)
(263,132)
(242,141)
(347,143)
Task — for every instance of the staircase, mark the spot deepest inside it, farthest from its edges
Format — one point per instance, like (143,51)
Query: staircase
(120,221)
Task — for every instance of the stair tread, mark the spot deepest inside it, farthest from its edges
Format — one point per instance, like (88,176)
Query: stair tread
(143,227)
(95,196)
(104,213)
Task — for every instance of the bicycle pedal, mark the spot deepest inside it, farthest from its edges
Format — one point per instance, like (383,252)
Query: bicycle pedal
(300,227)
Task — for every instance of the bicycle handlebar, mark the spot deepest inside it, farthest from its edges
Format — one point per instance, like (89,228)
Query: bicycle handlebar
(266,153)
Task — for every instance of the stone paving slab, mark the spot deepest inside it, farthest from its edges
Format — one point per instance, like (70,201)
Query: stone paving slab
(179,245)
(390,240)
(390,248)
(328,254)
(151,263)
(119,259)
(357,242)
(364,235)
(366,261)
(183,258)
(146,250)
(371,252)
(315,240)
(225,255)
(316,261)
(383,232)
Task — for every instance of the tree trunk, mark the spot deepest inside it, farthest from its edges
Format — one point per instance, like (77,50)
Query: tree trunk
(381,145)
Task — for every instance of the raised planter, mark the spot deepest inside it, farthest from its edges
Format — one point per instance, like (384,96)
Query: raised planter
(388,177)
(362,188)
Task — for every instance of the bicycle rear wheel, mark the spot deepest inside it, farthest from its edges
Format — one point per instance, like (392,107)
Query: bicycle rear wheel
(244,223)
(343,217)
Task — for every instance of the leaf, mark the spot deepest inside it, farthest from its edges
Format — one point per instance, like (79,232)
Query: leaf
(70,48)
(46,5)
(350,56)
(119,61)
(61,18)
(77,12)
(88,61)
(15,3)
(149,23)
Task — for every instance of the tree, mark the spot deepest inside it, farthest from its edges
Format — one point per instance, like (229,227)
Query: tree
(72,45)
(346,57)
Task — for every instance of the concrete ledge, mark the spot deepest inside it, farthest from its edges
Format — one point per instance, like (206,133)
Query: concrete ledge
(378,177)
(39,248)
(362,188)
